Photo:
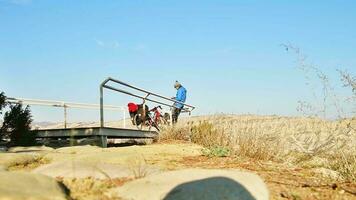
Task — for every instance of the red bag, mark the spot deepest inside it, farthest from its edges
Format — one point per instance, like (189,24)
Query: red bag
(132,107)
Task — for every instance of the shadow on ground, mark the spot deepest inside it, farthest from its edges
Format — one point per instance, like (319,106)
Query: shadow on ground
(209,189)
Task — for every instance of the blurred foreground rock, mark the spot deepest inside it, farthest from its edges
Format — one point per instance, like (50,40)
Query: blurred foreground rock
(194,184)
(84,169)
(26,186)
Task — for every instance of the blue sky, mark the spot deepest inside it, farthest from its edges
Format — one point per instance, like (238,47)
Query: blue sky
(226,53)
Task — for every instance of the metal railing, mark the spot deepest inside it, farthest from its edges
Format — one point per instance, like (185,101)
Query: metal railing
(66,105)
(187,108)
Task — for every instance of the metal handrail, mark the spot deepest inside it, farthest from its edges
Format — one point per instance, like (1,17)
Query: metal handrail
(187,108)
(66,105)
(41,102)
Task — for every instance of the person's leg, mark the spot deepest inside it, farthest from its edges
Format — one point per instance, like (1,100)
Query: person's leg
(175,115)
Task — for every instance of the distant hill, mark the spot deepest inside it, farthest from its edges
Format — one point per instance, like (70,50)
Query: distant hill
(39,125)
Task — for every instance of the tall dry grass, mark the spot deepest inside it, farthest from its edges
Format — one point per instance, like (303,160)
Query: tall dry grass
(296,140)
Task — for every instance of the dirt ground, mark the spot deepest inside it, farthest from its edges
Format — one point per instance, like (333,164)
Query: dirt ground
(284,181)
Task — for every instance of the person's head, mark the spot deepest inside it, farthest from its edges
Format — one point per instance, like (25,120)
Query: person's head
(177,85)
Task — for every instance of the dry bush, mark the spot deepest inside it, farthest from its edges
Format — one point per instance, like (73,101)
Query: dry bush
(208,136)
(344,164)
(296,140)
(348,80)
(177,132)
(216,141)
(258,146)
(339,139)
(226,138)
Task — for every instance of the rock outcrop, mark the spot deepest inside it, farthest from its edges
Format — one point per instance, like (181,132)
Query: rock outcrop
(195,184)
(27,186)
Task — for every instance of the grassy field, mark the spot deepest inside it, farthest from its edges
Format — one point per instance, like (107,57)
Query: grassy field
(308,142)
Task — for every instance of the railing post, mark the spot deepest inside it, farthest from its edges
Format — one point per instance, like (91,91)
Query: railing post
(124,118)
(65,115)
(101,106)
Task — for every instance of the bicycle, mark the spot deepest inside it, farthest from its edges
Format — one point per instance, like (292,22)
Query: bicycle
(143,117)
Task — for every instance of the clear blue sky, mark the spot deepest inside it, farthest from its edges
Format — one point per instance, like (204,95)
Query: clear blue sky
(226,53)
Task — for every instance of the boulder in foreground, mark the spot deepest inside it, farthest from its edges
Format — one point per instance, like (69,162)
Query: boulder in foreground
(26,186)
(194,184)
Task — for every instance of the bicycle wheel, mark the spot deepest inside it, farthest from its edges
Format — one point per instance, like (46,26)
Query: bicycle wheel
(156,126)
(152,123)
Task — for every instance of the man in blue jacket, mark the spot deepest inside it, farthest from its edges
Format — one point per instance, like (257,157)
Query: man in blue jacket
(180,98)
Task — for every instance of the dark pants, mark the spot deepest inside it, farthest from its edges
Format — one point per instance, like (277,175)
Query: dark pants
(175,115)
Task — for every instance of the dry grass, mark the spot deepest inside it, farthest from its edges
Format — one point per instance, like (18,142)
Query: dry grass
(284,139)
(345,164)
(28,163)
(178,132)
(138,167)
(89,188)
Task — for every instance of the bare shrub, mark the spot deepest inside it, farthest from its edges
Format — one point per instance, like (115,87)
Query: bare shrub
(259,146)
(177,132)
(322,88)
(215,140)
(348,80)
(332,144)
(138,167)
(227,138)
(208,136)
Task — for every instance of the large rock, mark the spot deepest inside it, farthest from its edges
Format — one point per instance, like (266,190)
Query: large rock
(195,184)
(164,156)
(84,169)
(26,186)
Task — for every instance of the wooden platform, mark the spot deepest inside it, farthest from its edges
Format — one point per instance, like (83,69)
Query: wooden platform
(101,133)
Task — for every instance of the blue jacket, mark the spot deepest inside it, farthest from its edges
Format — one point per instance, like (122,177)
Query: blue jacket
(181,97)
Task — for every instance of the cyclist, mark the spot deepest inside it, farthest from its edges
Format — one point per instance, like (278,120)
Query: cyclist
(181,97)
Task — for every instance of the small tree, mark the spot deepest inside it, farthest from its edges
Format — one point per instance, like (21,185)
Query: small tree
(2,101)
(17,126)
